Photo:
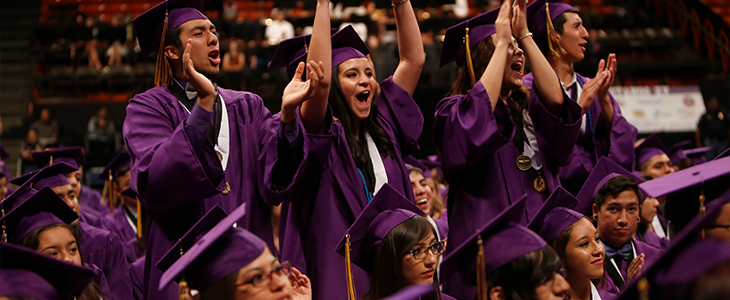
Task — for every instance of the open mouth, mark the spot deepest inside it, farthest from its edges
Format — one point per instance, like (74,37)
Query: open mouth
(583,46)
(363,97)
(214,57)
(517,67)
(422,201)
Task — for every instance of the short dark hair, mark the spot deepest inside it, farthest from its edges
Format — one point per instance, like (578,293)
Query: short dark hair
(519,278)
(559,25)
(615,186)
(225,288)
(173,38)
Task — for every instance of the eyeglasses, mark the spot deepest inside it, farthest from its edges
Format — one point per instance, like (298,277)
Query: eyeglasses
(422,252)
(262,280)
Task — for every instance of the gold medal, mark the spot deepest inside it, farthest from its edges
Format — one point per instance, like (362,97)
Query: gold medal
(539,184)
(220,155)
(227,190)
(524,162)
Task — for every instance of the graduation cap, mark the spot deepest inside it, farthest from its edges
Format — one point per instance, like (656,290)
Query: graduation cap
(688,256)
(346,44)
(415,163)
(110,174)
(496,243)
(3,173)
(650,147)
(27,273)
(72,156)
(51,176)
(471,32)
(555,215)
(152,26)
(3,158)
(413,292)
(540,16)
(208,221)
(221,251)
(697,155)
(676,152)
(725,153)
(129,192)
(689,190)
(387,210)
(41,209)
(604,170)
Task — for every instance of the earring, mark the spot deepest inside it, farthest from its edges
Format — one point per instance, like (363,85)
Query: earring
(639,220)
(595,217)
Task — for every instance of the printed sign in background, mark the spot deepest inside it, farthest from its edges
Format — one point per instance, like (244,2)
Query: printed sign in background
(654,109)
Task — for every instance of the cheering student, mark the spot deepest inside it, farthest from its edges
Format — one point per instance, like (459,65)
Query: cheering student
(559,32)
(359,131)
(193,145)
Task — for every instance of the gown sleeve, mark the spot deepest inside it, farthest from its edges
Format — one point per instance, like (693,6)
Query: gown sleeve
(557,133)
(618,145)
(400,115)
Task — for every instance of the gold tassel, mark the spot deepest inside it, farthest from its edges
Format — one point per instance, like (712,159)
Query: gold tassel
(481,271)
(348,270)
(50,161)
(702,204)
(643,287)
(163,73)
(184,290)
(139,219)
(110,191)
(468,59)
(553,38)
(5,234)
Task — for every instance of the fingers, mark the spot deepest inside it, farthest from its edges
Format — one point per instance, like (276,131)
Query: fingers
(601,67)
(300,70)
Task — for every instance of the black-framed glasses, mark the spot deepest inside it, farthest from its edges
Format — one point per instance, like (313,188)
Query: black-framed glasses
(422,252)
(262,280)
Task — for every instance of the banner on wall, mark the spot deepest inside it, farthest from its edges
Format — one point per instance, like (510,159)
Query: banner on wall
(654,109)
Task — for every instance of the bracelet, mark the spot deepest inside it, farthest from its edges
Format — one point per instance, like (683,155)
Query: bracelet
(399,3)
(526,35)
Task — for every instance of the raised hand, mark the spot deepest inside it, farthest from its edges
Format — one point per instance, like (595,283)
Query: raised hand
(298,91)
(201,84)
(519,19)
(590,90)
(301,286)
(635,267)
(502,24)
(609,66)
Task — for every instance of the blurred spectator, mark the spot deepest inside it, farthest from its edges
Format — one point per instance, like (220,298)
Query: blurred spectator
(100,137)
(279,29)
(460,8)
(713,129)
(118,49)
(46,129)
(89,39)
(233,63)
(230,11)
(30,144)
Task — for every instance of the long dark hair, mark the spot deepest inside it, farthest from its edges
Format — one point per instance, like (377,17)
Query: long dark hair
(480,56)
(32,240)
(387,276)
(520,277)
(223,289)
(358,147)
(561,243)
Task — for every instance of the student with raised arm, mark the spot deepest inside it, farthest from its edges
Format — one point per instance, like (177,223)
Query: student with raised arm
(358,132)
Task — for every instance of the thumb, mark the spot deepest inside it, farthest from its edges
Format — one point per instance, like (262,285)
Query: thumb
(300,70)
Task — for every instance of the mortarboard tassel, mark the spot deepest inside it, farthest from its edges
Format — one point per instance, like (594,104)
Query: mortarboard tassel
(468,58)
(348,270)
(184,290)
(553,39)
(139,219)
(111,192)
(481,271)
(50,161)
(643,287)
(5,234)
(702,203)
(162,67)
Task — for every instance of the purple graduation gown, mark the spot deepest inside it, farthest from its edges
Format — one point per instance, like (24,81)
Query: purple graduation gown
(178,176)
(89,201)
(478,160)
(651,254)
(332,194)
(136,275)
(99,279)
(105,250)
(118,224)
(618,145)
(650,238)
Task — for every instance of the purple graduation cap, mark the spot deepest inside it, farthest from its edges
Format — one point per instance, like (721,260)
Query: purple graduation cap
(3,158)
(42,209)
(72,156)
(51,176)
(540,16)
(415,163)
(346,44)
(387,210)
(604,170)
(119,161)
(208,221)
(555,215)
(725,153)
(152,26)
(688,256)
(697,155)
(650,147)
(28,273)
(685,188)
(503,240)
(3,173)
(676,152)
(129,192)
(414,292)
(473,30)
(222,251)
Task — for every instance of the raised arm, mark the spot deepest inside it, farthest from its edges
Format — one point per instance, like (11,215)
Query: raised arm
(410,46)
(546,80)
(494,74)
(320,50)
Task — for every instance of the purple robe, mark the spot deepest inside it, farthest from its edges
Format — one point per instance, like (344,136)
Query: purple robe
(446,297)
(178,176)
(136,275)
(332,194)
(650,238)
(118,223)
(106,251)
(478,160)
(618,146)
(90,202)
(651,254)
(443,227)
(100,279)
